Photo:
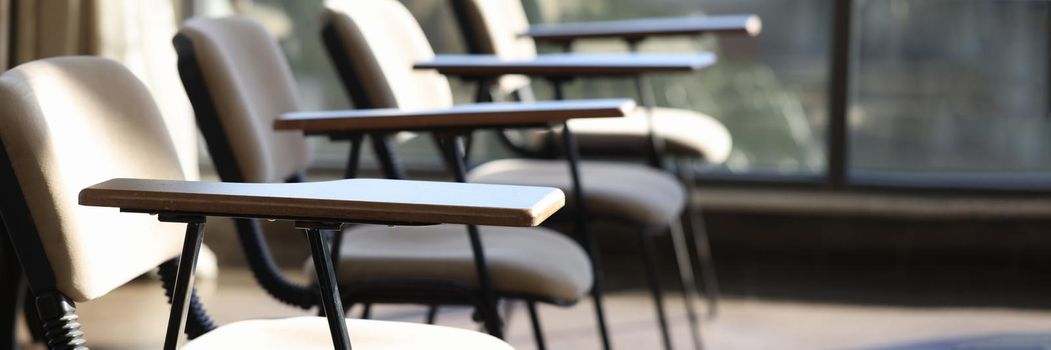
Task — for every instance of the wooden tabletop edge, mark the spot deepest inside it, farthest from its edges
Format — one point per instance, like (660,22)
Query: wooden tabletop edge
(613,107)
(364,211)
(547,206)
(750,25)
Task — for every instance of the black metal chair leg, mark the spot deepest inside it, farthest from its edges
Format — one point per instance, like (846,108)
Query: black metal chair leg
(687,281)
(702,249)
(538,332)
(508,311)
(589,240)
(583,230)
(432,313)
(353,157)
(490,312)
(181,292)
(388,160)
(649,256)
(701,246)
(597,296)
(326,277)
(453,152)
(366,311)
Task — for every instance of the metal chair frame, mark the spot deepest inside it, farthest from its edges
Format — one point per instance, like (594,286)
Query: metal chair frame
(691,250)
(256,249)
(454,146)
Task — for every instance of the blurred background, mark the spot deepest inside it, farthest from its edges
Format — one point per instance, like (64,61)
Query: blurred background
(937,88)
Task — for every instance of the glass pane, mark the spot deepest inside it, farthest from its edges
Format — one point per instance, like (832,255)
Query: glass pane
(951,89)
(769,91)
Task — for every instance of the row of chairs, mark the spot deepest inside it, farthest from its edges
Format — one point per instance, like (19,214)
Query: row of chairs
(239,82)
(73,121)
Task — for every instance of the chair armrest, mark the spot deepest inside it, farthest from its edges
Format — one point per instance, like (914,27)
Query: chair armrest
(638,29)
(469,116)
(344,201)
(568,65)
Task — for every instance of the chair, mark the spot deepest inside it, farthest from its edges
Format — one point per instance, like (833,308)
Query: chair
(71,122)
(500,27)
(239,83)
(374,45)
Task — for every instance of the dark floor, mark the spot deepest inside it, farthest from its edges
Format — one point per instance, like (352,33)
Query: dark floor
(742,324)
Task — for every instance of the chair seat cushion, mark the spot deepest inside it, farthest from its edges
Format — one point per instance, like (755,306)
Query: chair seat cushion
(305,333)
(532,261)
(630,191)
(685,133)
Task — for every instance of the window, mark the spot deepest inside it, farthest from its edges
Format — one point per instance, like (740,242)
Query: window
(769,91)
(934,93)
(951,91)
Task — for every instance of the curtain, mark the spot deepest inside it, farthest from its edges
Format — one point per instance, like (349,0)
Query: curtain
(5,33)
(47,28)
(136,33)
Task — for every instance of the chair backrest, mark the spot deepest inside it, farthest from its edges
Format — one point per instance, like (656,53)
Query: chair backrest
(493,27)
(382,40)
(239,81)
(65,124)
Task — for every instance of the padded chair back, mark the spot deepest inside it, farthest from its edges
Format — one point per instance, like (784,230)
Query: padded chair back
(494,27)
(382,41)
(248,84)
(66,124)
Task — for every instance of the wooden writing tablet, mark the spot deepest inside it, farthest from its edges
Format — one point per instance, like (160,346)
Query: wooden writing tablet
(353,200)
(478,115)
(635,29)
(568,65)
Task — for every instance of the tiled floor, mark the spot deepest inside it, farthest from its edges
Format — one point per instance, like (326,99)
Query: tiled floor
(133,317)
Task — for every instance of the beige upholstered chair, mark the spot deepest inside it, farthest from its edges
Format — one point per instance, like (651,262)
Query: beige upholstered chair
(500,27)
(374,45)
(494,27)
(68,123)
(381,41)
(239,83)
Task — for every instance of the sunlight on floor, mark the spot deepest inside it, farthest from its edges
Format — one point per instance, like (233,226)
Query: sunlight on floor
(134,316)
